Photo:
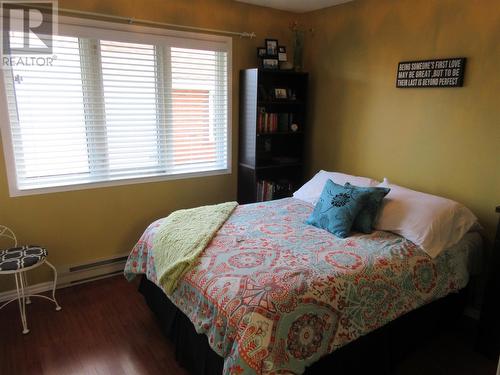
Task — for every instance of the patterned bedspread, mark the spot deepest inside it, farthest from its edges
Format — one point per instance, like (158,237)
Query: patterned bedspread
(274,295)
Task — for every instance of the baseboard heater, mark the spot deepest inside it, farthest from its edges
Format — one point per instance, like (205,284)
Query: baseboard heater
(97,264)
(81,273)
(76,274)
(93,278)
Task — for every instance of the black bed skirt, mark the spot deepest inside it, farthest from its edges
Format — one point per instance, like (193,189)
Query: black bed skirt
(375,353)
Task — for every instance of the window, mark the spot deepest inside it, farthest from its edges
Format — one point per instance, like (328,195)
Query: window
(116,107)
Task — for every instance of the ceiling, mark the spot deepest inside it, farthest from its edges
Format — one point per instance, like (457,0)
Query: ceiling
(298,6)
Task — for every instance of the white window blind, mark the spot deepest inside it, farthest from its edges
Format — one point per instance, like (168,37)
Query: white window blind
(113,110)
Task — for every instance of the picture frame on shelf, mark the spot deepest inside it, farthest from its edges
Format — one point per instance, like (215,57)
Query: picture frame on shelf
(272,47)
(280,93)
(282,57)
(261,52)
(270,64)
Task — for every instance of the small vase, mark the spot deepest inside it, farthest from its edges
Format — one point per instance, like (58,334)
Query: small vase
(298,50)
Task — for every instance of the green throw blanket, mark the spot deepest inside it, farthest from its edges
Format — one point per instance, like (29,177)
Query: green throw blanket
(182,237)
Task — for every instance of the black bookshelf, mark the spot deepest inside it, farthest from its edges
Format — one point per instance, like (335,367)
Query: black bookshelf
(271,148)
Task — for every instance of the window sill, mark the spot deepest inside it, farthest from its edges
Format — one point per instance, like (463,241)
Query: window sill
(15,192)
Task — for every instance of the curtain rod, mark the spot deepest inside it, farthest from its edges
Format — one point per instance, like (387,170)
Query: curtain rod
(139,21)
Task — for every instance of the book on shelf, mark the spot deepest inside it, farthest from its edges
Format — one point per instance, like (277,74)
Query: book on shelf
(273,122)
(269,190)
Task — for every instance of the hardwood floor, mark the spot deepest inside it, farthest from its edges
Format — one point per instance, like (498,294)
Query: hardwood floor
(106,328)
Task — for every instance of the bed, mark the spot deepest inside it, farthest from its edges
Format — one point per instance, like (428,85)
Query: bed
(273,295)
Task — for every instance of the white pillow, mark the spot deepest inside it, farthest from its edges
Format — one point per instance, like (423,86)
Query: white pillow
(311,190)
(433,223)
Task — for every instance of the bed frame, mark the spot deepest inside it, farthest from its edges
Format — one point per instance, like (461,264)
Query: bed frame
(376,353)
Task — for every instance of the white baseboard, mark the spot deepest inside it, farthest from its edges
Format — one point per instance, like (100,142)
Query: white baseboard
(67,278)
(32,289)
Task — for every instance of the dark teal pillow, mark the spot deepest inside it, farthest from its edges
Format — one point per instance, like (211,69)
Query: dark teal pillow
(337,208)
(368,213)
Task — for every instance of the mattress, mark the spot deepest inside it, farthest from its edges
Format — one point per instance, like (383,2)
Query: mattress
(273,295)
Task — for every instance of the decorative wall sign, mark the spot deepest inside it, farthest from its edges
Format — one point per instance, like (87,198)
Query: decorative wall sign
(431,73)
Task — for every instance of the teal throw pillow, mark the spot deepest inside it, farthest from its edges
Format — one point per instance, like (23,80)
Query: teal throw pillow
(337,208)
(368,213)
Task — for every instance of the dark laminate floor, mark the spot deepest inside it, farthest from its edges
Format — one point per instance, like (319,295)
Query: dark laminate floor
(106,328)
